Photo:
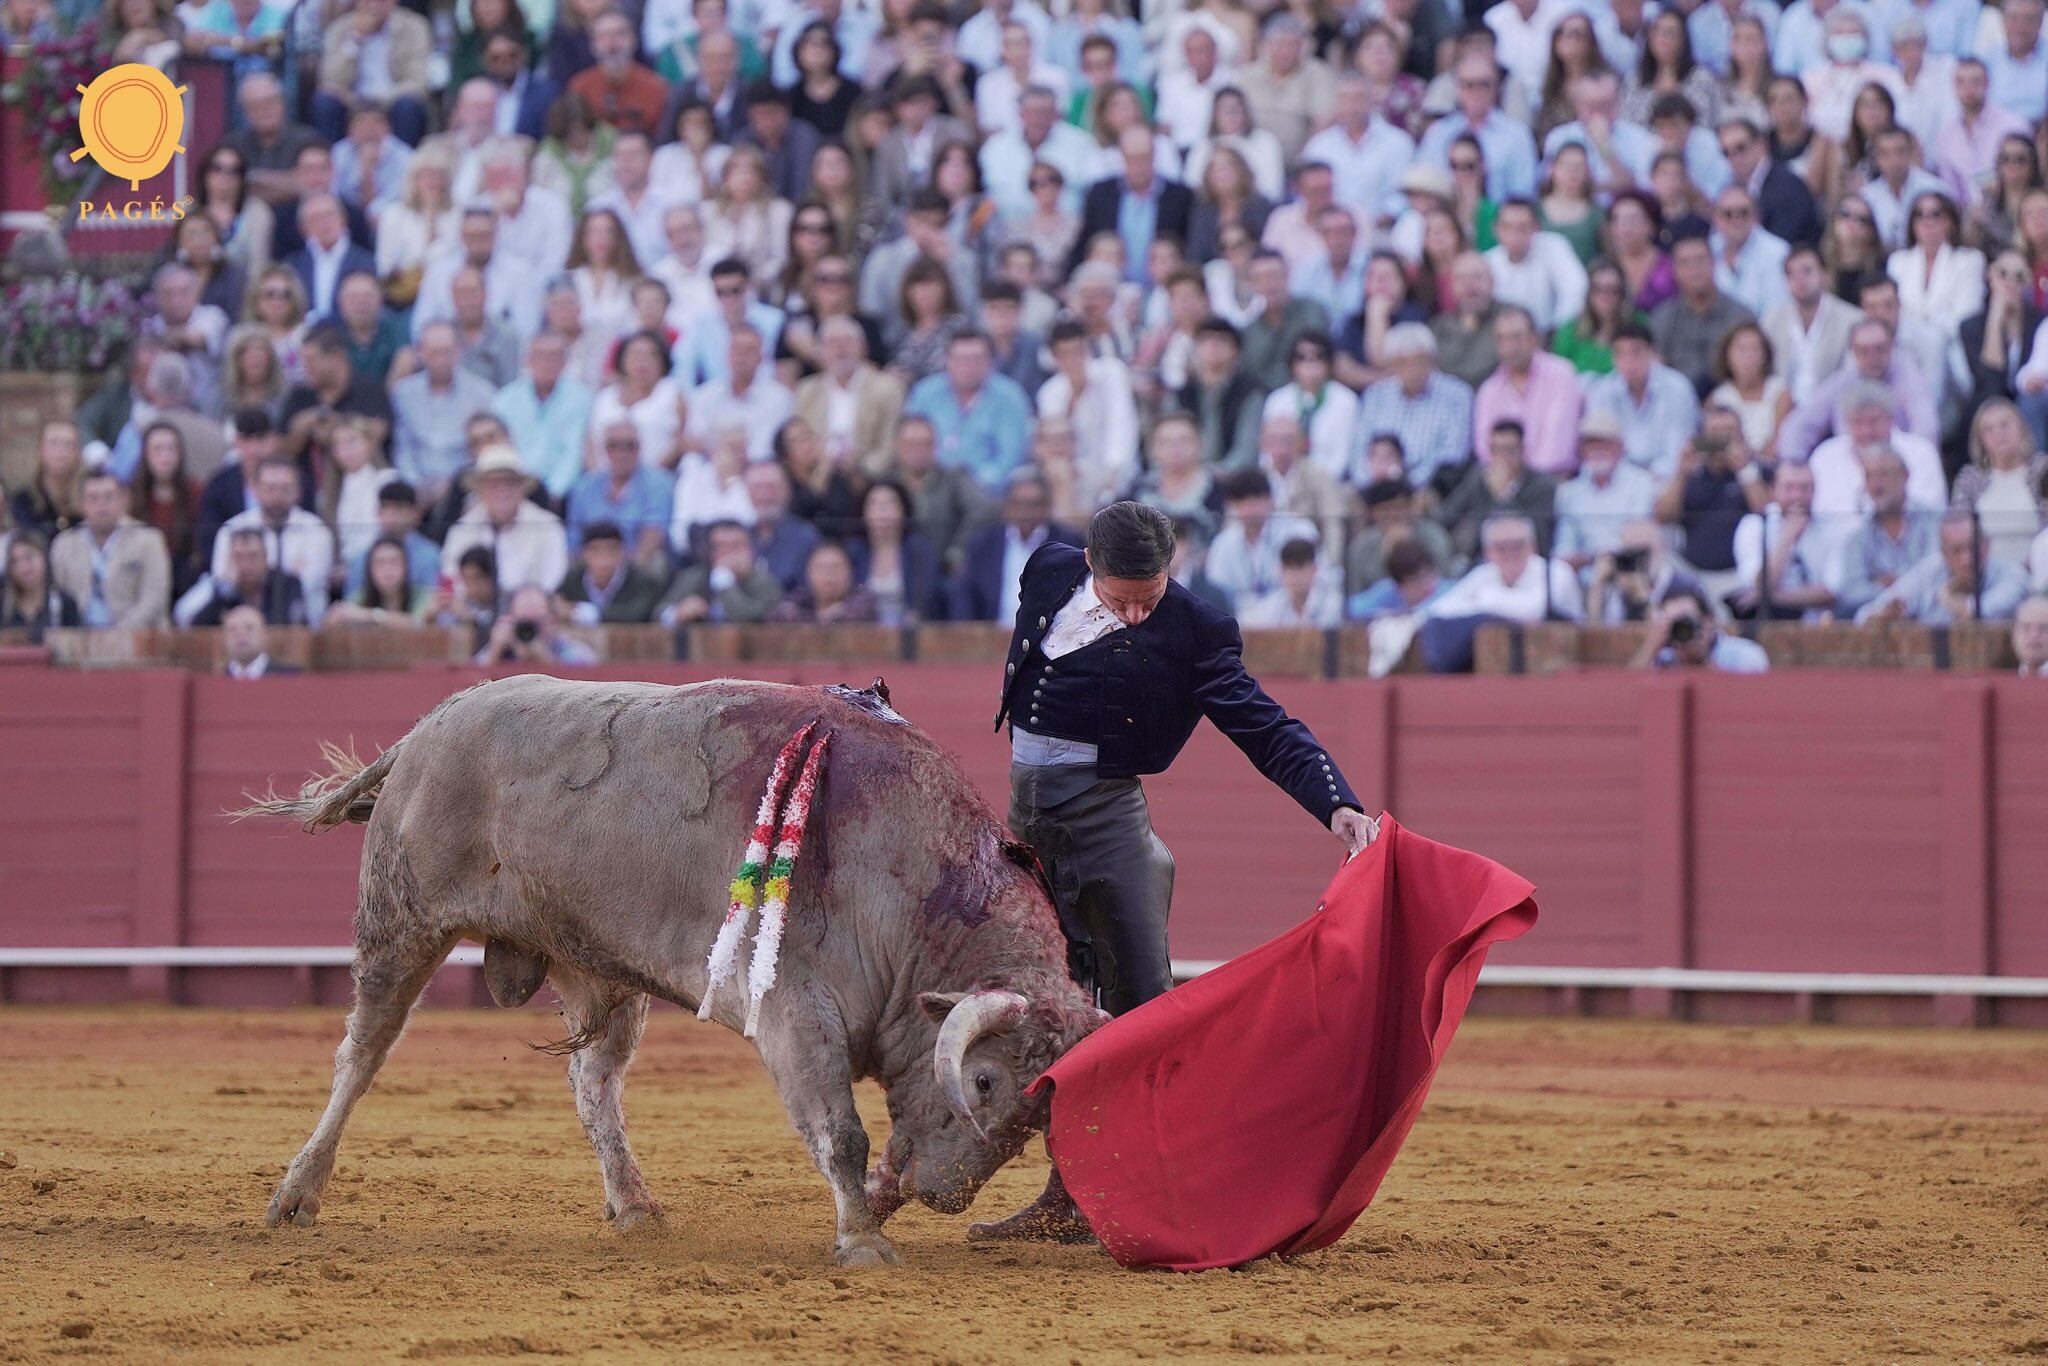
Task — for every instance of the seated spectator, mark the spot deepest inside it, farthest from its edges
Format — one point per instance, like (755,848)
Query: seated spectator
(981,418)
(1606,494)
(1717,483)
(894,560)
(294,540)
(1503,483)
(166,397)
(1535,390)
(267,139)
(251,581)
(986,588)
(1867,426)
(1655,407)
(728,584)
(526,541)
(332,390)
(828,594)
(1891,538)
(1428,410)
(747,398)
(378,52)
(1302,488)
(1412,582)
(245,646)
(618,90)
(322,253)
(51,501)
(526,634)
(1940,281)
(1958,582)
(387,595)
(1268,340)
(431,408)
(1326,409)
(781,537)
(546,412)
(2030,636)
(604,586)
(1511,583)
(1784,559)
(1809,331)
(1749,260)
(1179,482)
(1688,327)
(1749,388)
(2006,481)
(1392,515)
(1244,557)
(185,326)
(1587,341)
(1873,359)
(1628,581)
(1898,185)
(29,601)
(376,335)
(115,568)
(1535,270)
(633,497)
(945,503)
(1308,594)
(2004,346)
(1224,401)
(1093,394)
(1684,634)
(398,519)
(1464,332)
(851,403)
(348,488)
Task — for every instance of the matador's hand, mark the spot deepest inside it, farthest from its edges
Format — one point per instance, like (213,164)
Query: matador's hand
(1353,827)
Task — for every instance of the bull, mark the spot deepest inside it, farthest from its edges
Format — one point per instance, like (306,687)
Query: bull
(584,833)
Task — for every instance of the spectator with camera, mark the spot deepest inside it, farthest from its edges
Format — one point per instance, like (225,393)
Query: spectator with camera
(1629,581)
(526,634)
(1684,634)
(1716,484)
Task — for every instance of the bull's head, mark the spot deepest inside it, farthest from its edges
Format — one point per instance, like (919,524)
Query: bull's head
(992,1045)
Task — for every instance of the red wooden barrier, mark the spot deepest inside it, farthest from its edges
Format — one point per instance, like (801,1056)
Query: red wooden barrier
(1825,822)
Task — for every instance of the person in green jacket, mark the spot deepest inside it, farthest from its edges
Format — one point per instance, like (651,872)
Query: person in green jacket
(1587,341)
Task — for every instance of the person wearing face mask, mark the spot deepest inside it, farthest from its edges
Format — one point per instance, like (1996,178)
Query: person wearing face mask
(1843,68)
(1606,494)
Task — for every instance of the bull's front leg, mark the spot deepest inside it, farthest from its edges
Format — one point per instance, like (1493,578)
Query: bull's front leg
(804,1051)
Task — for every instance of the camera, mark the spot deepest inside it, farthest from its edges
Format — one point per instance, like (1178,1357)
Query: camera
(1684,630)
(1631,561)
(526,632)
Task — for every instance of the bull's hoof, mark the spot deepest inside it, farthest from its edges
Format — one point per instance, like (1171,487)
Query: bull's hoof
(634,1217)
(865,1249)
(289,1208)
(1043,1221)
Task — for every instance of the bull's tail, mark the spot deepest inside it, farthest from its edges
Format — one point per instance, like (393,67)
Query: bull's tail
(347,791)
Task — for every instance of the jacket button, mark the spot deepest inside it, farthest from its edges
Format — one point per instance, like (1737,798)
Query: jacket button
(1041,623)
(1009,669)
(1038,692)
(1025,646)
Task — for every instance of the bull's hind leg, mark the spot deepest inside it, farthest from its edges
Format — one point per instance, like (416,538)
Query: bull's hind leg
(390,975)
(807,1060)
(607,1025)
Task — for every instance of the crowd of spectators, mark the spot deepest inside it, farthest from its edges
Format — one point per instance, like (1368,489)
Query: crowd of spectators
(520,313)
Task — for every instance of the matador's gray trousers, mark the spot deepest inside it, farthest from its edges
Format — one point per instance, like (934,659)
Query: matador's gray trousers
(1111,874)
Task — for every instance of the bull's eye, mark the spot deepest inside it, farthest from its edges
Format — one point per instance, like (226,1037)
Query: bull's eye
(983,1084)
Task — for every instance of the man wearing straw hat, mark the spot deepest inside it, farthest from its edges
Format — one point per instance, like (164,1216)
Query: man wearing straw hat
(527,540)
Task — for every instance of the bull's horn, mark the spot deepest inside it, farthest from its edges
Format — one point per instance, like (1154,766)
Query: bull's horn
(982,1012)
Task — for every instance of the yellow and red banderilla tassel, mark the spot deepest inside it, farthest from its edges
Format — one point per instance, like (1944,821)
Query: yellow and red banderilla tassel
(766,868)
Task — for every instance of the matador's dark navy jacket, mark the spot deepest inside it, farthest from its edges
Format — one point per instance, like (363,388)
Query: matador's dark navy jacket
(1137,693)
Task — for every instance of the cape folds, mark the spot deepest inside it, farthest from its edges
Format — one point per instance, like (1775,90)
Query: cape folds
(1257,1109)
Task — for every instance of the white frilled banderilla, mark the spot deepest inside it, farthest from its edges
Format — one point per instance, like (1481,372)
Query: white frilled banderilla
(767,869)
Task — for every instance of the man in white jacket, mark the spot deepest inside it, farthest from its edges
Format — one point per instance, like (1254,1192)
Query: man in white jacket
(1535,269)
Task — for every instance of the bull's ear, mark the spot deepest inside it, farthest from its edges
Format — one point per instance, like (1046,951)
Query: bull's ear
(937,1005)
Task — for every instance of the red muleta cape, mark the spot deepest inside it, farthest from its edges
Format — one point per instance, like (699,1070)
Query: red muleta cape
(1256,1109)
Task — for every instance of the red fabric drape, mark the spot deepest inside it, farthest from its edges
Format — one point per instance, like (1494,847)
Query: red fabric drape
(1256,1109)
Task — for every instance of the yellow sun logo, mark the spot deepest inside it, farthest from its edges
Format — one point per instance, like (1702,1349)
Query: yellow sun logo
(131,118)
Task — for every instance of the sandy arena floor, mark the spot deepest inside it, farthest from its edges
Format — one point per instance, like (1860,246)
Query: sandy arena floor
(1583,1192)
